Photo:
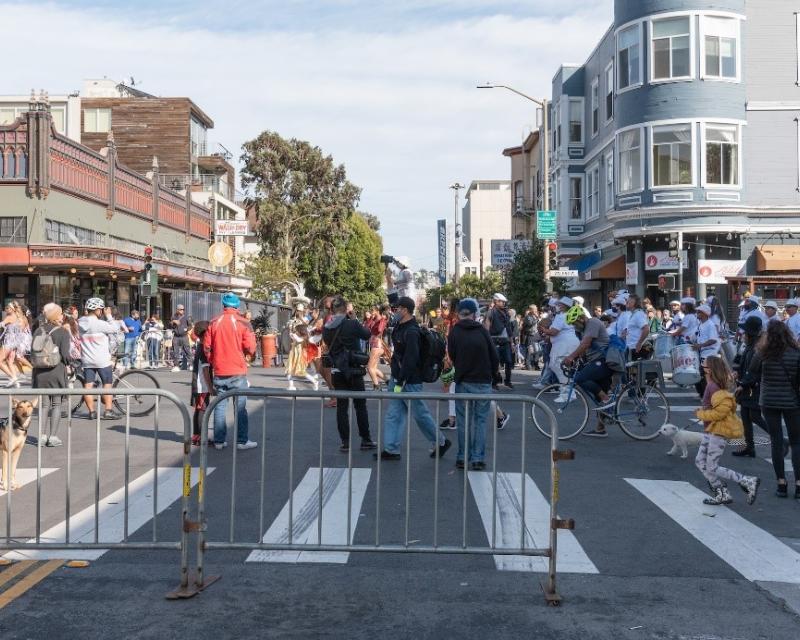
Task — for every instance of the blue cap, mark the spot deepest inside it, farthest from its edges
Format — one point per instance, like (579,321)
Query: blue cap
(468,305)
(230,300)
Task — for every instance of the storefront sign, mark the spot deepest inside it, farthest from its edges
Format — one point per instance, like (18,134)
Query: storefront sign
(231,228)
(632,273)
(504,251)
(715,271)
(662,261)
(442,229)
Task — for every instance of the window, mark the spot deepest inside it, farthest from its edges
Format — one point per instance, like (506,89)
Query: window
(722,154)
(593,192)
(628,58)
(595,106)
(199,137)
(720,44)
(59,119)
(610,181)
(672,155)
(671,51)
(576,121)
(519,196)
(575,198)
(61,233)
(609,92)
(630,161)
(13,230)
(97,120)
(7,115)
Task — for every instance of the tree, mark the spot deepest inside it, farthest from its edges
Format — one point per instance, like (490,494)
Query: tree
(469,286)
(524,279)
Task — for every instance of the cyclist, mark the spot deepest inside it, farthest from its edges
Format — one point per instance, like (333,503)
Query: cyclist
(594,377)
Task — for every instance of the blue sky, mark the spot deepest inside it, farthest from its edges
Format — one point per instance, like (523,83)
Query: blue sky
(387,88)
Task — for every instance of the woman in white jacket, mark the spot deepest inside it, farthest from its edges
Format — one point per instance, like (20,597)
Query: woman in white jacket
(563,341)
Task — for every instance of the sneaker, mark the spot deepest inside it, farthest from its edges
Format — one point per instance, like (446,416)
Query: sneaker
(503,421)
(746,451)
(368,445)
(446,424)
(537,385)
(441,449)
(196,440)
(596,433)
(716,499)
(565,398)
(344,447)
(315,384)
(459,464)
(92,415)
(726,496)
(385,455)
(749,485)
(219,446)
(782,491)
(509,385)
(51,441)
(291,387)
(175,369)
(477,466)
(112,415)
(243,446)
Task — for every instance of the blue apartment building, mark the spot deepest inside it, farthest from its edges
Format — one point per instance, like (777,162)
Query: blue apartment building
(682,124)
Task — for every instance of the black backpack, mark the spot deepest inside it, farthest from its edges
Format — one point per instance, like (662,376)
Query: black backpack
(432,353)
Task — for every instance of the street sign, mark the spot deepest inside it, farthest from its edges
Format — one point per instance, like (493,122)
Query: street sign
(231,228)
(563,273)
(546,225)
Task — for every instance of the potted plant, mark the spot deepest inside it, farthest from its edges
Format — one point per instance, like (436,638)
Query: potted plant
(267,338)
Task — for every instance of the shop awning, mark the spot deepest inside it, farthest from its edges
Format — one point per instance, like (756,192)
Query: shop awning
(778,257)
(584,263)
(608,269)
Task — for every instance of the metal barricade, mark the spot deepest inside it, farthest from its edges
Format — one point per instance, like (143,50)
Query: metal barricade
(88,537)
(206,521)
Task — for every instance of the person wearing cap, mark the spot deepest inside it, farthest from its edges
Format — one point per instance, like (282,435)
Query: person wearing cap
(498,322)
(677,313)
(707,342)
(476,365)
(181,349)
(792,317)
(578,301)
(563,341)
(407,378)
(771,311)
(228,341)
(752,307)
(637,328)
(686,332)
(747,387)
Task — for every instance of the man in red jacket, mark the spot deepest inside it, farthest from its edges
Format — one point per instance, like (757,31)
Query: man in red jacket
(227,342)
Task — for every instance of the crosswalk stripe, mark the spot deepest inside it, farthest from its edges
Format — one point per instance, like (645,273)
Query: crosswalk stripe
(684,408)
(753,552)
(305,500)
(112,516)
(571,556)
(26,476)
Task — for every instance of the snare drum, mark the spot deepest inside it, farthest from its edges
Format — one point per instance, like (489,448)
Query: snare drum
(664,346)
(685,365)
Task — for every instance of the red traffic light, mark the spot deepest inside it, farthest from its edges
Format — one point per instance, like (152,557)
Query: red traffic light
(148,251)
(552,246)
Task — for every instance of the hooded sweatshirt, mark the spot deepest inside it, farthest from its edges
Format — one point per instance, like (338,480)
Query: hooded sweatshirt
(343,333)
(472,352)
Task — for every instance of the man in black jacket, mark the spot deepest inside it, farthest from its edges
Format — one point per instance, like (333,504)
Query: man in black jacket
(476,363)
(498,323)
(343,336)
(407,360)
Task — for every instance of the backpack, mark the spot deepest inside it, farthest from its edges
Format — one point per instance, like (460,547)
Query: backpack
(45,353)
(432,353)
(615,353)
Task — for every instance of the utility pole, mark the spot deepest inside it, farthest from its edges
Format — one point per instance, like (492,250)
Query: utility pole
(480,270)
(680,263)
(456,186)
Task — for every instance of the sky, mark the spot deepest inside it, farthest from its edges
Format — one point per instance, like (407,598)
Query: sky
(387,87)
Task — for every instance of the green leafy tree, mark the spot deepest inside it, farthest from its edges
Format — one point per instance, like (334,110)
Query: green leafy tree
(524,279)
(469,286)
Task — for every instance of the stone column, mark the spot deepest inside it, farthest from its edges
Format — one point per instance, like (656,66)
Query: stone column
(641,285)
(700,254)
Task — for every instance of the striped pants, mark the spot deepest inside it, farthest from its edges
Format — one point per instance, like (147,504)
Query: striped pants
(707,461)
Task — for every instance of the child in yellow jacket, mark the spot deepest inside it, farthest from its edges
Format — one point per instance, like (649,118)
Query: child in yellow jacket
(721,424)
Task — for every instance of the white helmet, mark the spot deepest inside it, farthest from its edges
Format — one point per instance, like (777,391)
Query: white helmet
(95,303)
(499,297)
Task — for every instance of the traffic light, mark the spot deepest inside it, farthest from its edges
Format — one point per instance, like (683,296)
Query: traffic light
(666,282)
(148,263)
(673,245)
(553,263)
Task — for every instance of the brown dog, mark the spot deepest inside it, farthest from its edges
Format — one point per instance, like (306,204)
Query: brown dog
(12,440)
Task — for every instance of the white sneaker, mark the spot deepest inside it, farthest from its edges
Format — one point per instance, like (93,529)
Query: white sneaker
(219,446)
(291,387)
(316,384)
(175,369)
(537,385)
(242,446)
(564,398)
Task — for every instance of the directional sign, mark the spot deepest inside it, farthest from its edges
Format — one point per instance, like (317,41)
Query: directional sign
(546,225)
(563,273)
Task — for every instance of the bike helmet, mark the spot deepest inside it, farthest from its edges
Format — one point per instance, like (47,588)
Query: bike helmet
(95,303)
(573,313)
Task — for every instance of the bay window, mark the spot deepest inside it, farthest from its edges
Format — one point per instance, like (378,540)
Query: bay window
(672,155)
(628,57)
(575,121)
(630,160)
(722,154)
(671,48)
(575,198)
(595,106)
(720,48)
(593,192)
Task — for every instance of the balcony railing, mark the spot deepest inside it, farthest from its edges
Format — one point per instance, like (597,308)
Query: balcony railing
(215,184)
(211,149)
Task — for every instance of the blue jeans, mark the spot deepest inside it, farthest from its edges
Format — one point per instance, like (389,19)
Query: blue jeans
(153,349)
(227,383)
(394,422)
(130,351)
(594,377)
(478,412)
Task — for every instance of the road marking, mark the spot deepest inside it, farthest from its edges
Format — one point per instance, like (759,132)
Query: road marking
(787,464)
(26,476)
(571,556)
(14,570)
(305,499)
(684,408)
(672,394)
(753,552)
(112,516)
(29,581)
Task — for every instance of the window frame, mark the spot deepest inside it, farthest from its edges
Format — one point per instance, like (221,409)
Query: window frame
(581,102)
(593,192)
(609,163)
(97,111)
(693,154)
(692,48)
(581,179)
(609,92)
(704,75)
(618,163)
(594,112)
(704,157)
(639,26)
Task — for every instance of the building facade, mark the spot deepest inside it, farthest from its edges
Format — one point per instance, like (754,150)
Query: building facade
(486,216)
(682,127)
(526,185)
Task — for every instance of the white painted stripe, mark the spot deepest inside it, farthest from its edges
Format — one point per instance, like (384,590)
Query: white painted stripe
(683,408)
(26,476)
(787,464)
(112,516)
(305,500)
(674,394)
(753,552)
(571,556)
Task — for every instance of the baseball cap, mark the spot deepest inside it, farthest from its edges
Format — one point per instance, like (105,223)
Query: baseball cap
(791,302)
(500,297)
(231,300)
(406,303)
(704,308)
(619,300)
(180,307)
(468,306)
(771,303)
(688,300)
(678,302)
(566,301)
(754,299)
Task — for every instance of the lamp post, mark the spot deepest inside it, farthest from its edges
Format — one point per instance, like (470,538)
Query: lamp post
(456,187)
(545,165)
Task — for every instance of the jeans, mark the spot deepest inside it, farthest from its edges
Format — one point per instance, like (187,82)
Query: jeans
(153,351)
(182,352)
(792,419)
(221,385)
(130,351)
(394,422)
(506,359)
(594,377)
(478,412)
(354,383)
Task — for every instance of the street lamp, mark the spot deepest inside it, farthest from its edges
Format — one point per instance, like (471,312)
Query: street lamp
(456,186)
(545,162)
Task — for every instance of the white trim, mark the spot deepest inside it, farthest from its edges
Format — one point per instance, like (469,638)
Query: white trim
(569,219)
(618,164)
(691,15)
(673,196)
(651,177)
(772,105)
(609,119)
(702,39)
(589,172)
(724,187)
(582,101)
(628,202)
(667,14)
(598,149)
(797,122)
(728,196)
(595,86)
(634,85)
(609,158)
(797,32)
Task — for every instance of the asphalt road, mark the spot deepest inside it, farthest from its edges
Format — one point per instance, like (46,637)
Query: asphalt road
(645,560)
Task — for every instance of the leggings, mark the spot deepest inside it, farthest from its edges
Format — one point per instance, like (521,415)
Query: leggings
(54,414)
(751,416)
(707,460)
(792,419)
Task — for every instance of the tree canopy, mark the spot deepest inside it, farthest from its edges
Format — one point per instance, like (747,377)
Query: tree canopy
(524,279)
(469,286)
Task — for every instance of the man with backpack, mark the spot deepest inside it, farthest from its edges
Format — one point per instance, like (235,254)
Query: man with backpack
(498,322)
(408,373)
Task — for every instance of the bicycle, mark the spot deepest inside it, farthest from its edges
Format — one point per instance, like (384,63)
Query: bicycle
(140,405)
(639,407)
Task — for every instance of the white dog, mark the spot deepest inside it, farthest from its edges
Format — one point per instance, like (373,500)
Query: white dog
(681,439)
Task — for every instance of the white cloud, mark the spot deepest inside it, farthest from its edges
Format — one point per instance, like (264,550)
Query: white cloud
(399,109)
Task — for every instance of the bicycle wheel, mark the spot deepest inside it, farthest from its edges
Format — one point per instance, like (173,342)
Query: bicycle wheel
(572,415)
(641,412)
(140,405)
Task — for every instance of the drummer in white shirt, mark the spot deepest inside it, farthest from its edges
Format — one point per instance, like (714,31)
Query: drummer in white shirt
(637,328)
(677,314)
(620,303)
(687,330)
(792,317)
(707,342)
(752,308)
(563,341)
(771,311)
